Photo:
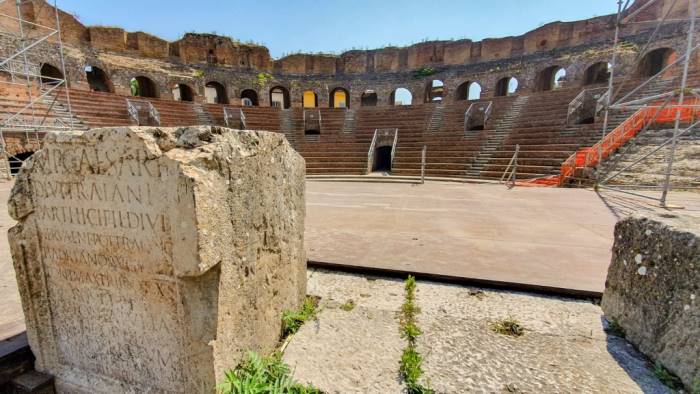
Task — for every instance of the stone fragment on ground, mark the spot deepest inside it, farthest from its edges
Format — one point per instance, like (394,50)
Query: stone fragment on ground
(564,348)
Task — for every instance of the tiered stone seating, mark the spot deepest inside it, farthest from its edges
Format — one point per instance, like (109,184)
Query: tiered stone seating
(535,121)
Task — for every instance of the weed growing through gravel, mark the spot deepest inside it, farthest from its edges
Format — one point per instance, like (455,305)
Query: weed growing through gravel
(348,305)
(293,320)
(411,360)
(262,375)
(508,326)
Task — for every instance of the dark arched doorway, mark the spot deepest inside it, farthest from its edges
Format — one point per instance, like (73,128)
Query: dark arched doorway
(98,79)
(597,73)
(143,87)
(249,98)
(653,62)
(279,97)
(50,74)
(182,92)
(550,78)
(368,99)
(17,160)
(215,93)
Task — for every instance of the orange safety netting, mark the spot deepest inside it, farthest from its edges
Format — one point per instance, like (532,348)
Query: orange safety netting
(590,156)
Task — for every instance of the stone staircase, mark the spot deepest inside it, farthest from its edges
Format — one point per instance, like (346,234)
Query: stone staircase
(496,138)
(349,121)
(435,121)
(651,170)
(203,116)
(287,126)
(60,111)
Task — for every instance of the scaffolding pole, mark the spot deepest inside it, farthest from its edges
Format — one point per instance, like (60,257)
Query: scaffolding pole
(646,101)
(22,62)
(681,97)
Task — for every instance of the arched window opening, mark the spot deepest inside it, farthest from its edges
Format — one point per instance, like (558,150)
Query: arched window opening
(401,96)
(597,73)
(309,99)
(462,92)
(339,98)
(474,91)
(249,98)
(50,75)
(435,91)
(368,99)
(182,92)
(215,93)
(279,97)
(653,62)
(550,78)
(506,86)
(143,87)
(98,79)
(559,78)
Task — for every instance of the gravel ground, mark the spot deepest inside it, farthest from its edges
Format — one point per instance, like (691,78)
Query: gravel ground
(563,349)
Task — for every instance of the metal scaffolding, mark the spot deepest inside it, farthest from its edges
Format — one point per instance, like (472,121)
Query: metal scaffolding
(675,98)
(36,110)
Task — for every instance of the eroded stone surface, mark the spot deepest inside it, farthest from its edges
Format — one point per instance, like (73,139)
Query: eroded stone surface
(350,351)
(653,287)
(564,348)
(151,259)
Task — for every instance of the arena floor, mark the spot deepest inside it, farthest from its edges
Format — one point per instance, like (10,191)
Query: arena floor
(537,237)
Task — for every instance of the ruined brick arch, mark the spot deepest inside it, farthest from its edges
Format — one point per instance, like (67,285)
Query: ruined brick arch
(369,98)
(215,93)
(462,91)
(144,87)
(401,96)
(183,92)
(596,73)
(339,97)
(654,61)
(434,91)
(506,86)
(50,74)
(249,98)
(549,78)
(279,97)
(98,79)
(309,99)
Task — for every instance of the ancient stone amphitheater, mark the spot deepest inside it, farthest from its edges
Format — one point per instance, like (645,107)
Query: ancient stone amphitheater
(469,103)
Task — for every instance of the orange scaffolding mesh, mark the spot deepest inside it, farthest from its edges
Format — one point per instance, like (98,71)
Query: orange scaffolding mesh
(590,156)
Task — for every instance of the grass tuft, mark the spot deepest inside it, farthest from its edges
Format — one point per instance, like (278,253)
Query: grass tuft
(614,328)
(293,320)
(666,377)
(348,305)
(262,375)
(411,360)
(508,326)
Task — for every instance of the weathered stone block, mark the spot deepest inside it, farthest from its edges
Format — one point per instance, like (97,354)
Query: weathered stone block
(151,259)
(652,289)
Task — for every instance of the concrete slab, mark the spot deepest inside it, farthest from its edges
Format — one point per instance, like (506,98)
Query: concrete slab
(549,237)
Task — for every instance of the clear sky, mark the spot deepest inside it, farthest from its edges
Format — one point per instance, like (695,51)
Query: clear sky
(333,25)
